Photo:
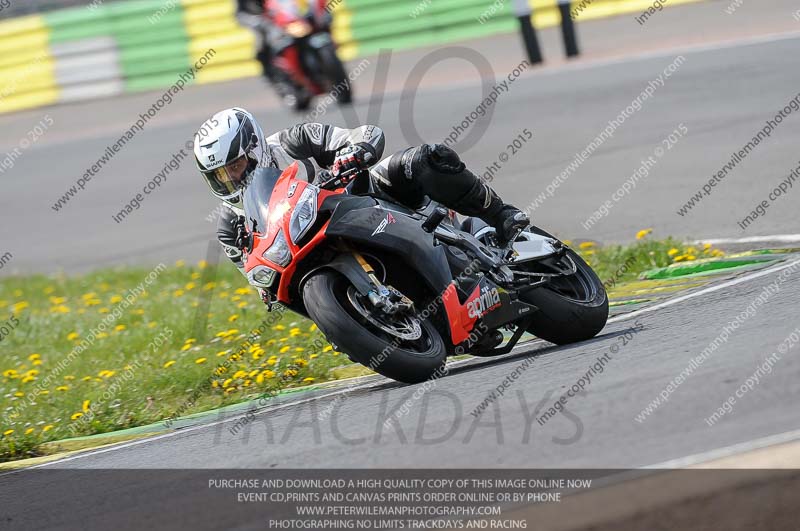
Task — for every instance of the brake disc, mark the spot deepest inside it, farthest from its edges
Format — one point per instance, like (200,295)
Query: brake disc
(408,329)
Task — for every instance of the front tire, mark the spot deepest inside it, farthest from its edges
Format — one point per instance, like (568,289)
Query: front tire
(327,303)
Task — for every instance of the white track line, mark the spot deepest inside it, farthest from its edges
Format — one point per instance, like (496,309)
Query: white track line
(616,319)
(728,451)
(777,238)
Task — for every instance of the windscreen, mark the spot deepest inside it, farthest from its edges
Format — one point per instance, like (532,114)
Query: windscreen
(257,196)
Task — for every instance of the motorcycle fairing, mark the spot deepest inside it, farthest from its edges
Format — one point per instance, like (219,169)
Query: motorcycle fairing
(353,220)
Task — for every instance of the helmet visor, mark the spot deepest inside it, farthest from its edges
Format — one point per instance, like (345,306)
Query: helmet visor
(226,180)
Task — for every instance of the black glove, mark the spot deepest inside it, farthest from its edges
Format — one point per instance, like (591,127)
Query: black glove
(244,239)
(356,157)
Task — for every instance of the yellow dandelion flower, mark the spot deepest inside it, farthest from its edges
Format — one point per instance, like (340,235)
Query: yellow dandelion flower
(29,431)
(19,394)
(44,392)
(37,362)
(10,373)
(643,233)
(120,328)
(20,306)
(673,251)
(308,380)
(248,383)
(226,383)
(327,348)
(178,293)
(152,325)
(115,299)
(294,332)
(215,384)
(202,264)
(8,433)
(85,406)
(200,361)
(62,388)
(279,327)
(34,357)
(301,363)
(230,390)
(312,328)
(284,349)
(314,356)
(242,291)
(233,318)
(87,378)
(241,305)
(290,373)
(103,310)
(180,263)
(190,286)
(72,336)
(69,377)
(186,347)
(106,374)
(76,416)
(253,373)
(586,245)
(28,379)
(268,374)
(680,258)
(169,364)
(47,428)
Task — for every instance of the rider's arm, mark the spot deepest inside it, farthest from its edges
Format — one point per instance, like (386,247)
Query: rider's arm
(321,142)
(248,15)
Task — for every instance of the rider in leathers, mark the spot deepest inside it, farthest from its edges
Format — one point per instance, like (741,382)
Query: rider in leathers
(231,145)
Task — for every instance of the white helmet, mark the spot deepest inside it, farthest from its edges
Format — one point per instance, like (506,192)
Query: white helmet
(228,148)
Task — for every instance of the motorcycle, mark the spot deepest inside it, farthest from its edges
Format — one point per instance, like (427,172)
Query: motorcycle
(306,54)
(399,290)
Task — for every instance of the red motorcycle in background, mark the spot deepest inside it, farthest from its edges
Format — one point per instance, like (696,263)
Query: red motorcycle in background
(306,54)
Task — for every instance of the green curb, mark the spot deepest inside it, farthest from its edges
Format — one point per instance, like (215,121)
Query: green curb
(704,267)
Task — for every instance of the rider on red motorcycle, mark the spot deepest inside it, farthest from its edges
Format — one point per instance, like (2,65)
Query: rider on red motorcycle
(231,145)
(267,19)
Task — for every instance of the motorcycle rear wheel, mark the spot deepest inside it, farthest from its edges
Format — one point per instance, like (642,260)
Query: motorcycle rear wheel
(408,361)
(571,308)
(336,74)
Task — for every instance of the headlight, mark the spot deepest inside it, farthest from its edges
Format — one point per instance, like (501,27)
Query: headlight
(262,276)
(305,212)
(279,252)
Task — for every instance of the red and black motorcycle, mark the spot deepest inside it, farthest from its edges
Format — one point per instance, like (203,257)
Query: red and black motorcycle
(306,53)
(399,290)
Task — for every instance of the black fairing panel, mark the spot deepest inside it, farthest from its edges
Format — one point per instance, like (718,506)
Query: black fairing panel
(358,218)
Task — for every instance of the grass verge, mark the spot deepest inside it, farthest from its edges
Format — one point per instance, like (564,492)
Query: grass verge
(120,348)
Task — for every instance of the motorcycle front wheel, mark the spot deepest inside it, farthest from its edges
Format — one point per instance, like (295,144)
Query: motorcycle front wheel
(405,349)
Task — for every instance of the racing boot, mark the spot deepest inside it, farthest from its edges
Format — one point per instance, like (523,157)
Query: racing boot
(441,174)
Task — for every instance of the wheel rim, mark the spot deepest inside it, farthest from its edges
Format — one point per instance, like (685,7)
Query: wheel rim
(407,327)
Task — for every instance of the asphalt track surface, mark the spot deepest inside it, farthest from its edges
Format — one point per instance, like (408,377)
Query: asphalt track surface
(722,94)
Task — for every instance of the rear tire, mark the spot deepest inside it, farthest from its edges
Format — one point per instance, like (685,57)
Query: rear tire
(336,74)
(565,318)
(326,301)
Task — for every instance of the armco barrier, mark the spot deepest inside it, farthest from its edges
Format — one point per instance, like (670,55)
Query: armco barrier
(115,47)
